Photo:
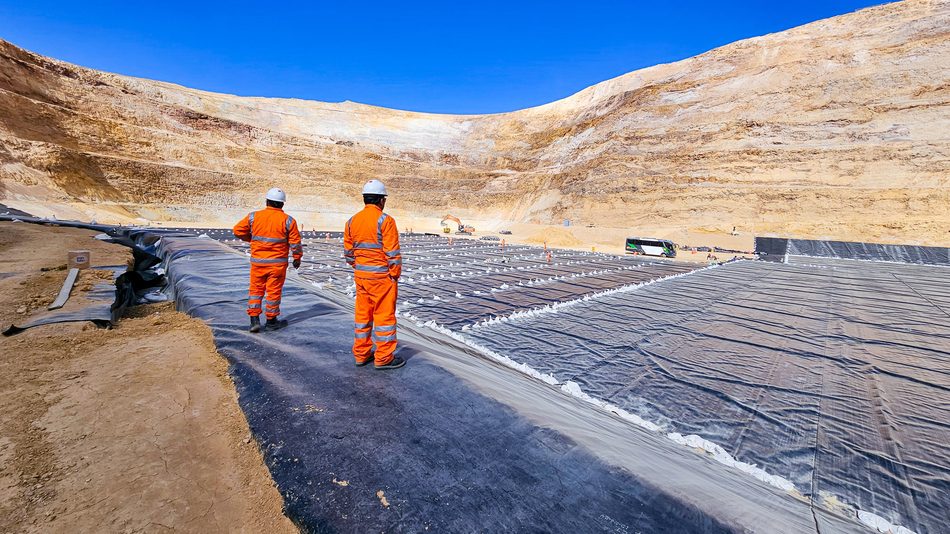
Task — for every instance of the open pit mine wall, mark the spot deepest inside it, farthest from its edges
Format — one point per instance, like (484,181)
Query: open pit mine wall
(838,128)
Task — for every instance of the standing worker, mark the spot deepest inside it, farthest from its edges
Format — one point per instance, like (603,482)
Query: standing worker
(272,234)
(371,247)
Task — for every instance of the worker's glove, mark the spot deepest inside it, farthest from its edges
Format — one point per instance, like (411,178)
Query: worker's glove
(296,263)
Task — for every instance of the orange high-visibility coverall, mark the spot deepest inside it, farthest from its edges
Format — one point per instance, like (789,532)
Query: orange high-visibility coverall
(371,247)
(272,234)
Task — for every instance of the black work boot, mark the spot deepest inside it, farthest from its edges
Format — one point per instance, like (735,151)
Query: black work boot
(396,363)
(255,325)
(274,323)
(366,360)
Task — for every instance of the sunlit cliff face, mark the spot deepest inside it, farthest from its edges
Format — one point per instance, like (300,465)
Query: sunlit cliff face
(840,128)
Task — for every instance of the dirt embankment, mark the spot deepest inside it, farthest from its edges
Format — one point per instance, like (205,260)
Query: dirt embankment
(124,430)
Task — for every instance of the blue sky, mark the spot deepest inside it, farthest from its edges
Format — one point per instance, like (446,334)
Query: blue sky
(446,57)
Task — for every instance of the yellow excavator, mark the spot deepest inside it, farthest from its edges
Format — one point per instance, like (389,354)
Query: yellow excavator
(462,228)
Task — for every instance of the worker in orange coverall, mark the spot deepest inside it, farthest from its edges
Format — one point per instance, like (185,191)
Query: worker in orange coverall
(272,234)
(371,247)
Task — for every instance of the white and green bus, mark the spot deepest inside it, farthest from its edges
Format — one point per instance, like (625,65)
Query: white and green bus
(650,246)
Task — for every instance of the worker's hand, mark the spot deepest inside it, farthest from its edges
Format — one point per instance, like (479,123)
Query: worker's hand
(394,278)
(296,263)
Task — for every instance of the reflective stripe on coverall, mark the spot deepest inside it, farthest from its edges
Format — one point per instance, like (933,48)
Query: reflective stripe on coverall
(272,234)
(371,247)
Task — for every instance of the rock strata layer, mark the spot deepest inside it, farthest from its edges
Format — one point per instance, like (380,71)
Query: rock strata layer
(839,128)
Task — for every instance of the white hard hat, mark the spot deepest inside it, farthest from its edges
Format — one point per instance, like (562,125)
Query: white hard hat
(276,194)
(374,187)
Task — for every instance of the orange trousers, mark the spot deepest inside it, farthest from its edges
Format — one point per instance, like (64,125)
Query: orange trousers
(375,319)
(266,281)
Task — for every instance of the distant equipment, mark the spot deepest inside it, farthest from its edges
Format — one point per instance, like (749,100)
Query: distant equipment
(650,246)
(504,232)
(462,228)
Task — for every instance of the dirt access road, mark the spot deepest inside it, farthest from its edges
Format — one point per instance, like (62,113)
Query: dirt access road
(135,429)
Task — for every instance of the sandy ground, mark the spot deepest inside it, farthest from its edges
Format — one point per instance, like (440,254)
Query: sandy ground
(135,429)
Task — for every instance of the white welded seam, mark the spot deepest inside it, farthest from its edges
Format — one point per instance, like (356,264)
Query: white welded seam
(862,260)
(692,441)
(882,525)
(504,360)
(426,273)
(559,306)
(535,282)
(574,390)
(720,455)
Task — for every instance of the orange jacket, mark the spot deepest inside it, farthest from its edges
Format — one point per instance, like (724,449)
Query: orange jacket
(371,244)
(272,234)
